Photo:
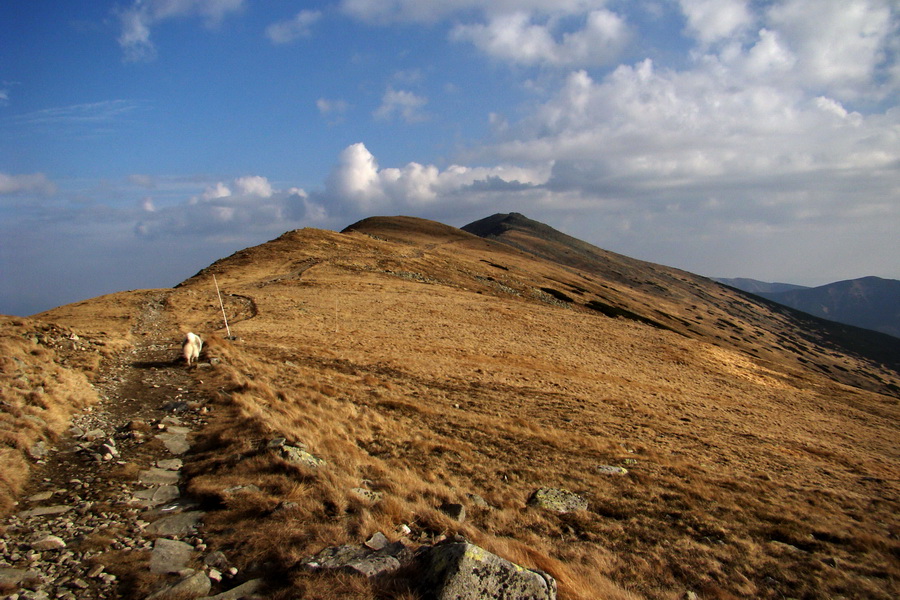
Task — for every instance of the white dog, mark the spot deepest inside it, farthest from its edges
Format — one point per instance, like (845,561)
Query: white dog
(191,347)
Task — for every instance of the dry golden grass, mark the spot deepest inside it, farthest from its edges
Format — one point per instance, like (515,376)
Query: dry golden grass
(45,379)
(421,369)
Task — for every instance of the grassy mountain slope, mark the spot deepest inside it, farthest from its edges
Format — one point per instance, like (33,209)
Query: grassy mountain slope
(432,365)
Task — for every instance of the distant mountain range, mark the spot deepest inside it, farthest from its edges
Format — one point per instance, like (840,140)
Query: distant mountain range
(869,302)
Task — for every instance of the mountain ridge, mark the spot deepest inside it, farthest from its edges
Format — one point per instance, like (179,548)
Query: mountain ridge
(714,446)
(869,302)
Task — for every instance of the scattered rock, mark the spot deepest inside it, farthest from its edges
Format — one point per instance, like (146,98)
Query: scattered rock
(478,501)
(12,578)
(170,464)
(38,450)
(360,560)
(180,524)
(301,457)
(242,591)
(157,495)
(192,586)
(611,470)
(377,541)
(43,511)
(169,556)
(157,476)
(370,495)
(463,571)
(454,511)
(175,441)
(557,500)
(49,542)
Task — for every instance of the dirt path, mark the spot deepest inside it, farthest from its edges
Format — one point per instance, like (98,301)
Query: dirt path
(89,521)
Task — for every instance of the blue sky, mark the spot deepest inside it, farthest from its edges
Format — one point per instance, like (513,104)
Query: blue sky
(141,140)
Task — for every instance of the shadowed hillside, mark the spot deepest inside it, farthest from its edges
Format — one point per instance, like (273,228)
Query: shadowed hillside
(869,302)
(721,445)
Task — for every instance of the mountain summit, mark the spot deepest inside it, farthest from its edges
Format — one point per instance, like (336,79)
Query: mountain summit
(405,393)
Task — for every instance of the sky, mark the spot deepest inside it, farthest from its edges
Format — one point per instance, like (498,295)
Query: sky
(141,140)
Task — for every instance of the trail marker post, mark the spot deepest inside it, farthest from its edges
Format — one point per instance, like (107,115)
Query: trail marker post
(222,304)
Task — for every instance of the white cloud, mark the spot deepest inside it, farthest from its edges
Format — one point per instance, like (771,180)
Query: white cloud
(841,45)
(403,104)
(713,20)
(254,185)
(519,38)
(361,186)
(246,209)
(332,107)
(137,20)
(285,32)
(37,183)
(220,190)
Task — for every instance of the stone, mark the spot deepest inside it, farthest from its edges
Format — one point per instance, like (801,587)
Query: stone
(94,434)
(557,500)
(157,476)
(40,496)
(169,556)
(370,495)
(372,566)
(244,590)
(463,571)
(216,559)
(43,511)
(611,470)
(479,501)
(377,541)
(193,585)
(12,578)
(301,457)
(175,442)
(455,511)
(157,495)
(359,560)
(49,542)
(180,524)
(170,464)
(38,450)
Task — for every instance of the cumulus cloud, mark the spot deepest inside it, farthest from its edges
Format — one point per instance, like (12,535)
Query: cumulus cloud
(841,45)
(254,185)
(137,19)
(244,209)
(36,183)
(708,149)
(518,37)
(401,104)
(358,185)
(300,26)
(713,20)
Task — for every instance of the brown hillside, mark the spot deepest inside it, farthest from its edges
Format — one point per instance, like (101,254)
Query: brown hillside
(432,365)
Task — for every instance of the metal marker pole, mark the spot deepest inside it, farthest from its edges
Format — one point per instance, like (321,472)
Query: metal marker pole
(219,294)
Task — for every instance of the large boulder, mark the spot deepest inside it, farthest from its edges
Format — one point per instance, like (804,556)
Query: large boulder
(463,571)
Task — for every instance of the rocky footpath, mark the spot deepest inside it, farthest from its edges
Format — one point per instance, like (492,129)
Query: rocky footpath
(104,516)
